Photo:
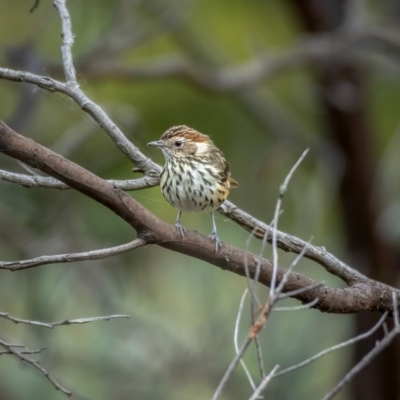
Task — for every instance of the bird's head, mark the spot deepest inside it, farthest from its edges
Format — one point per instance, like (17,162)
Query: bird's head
(182,141)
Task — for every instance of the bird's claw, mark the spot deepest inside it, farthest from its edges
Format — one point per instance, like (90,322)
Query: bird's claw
(213,236)
(180,228)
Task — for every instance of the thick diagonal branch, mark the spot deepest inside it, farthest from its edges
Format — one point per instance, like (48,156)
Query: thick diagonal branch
(363,294)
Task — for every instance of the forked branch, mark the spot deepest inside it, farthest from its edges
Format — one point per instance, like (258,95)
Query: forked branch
(22,355)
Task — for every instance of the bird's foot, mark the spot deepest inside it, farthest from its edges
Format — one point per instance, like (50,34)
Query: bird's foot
(213,236)
(180,228)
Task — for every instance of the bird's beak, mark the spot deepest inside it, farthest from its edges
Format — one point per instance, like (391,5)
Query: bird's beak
(157,143)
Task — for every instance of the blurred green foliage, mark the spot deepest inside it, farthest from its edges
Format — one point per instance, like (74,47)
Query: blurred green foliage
(179,339)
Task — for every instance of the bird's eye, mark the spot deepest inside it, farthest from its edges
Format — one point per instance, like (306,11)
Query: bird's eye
(178,143)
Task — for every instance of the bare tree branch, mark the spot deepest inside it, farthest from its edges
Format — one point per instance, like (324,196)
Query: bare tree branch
(263,384)
(296,292)
(292,244)
(24,351)
(364,362)
(72,257)
(235,338)
(395,310)
(257,326)
(52,325)
(296,308)
(76,93)
(47,182)
(362,294)
(97,113)
(282,192)
(67,43)
(231,368)
(21,356)
(336,347)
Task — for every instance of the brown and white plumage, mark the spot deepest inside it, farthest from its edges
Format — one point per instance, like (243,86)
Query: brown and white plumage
(196,176)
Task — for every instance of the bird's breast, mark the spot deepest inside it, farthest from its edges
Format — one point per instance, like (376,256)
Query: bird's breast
(193,186)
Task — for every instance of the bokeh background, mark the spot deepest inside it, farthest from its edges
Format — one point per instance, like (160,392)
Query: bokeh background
(330,83)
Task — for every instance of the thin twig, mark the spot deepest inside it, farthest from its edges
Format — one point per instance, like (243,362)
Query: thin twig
(52,325)
(282,191)
(364,362)
(24,351)
(385,328)
(72,257)
(254,299)
(67,43)
(254,330)
(47,182)
(258,325)
(250,285)
(97,113)
(296,308)
(255,280)
(23,357)
(260,359)
(231,368)
(72,89)
(296,292)
(264,383)
(261,255)
(235,338)
(336,347)
(287,273)
(275,297)
(395,309)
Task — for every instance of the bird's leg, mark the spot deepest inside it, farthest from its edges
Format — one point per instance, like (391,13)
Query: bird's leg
(213,235)
(178,224)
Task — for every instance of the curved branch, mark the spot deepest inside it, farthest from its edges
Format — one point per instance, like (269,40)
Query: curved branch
(72,257)
(363,294)
(292,244)
(97,113)
(47,182)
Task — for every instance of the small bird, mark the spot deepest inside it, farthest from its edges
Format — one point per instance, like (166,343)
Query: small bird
(196,176)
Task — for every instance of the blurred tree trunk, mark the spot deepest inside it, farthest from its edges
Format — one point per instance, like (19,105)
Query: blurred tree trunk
(341,97)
